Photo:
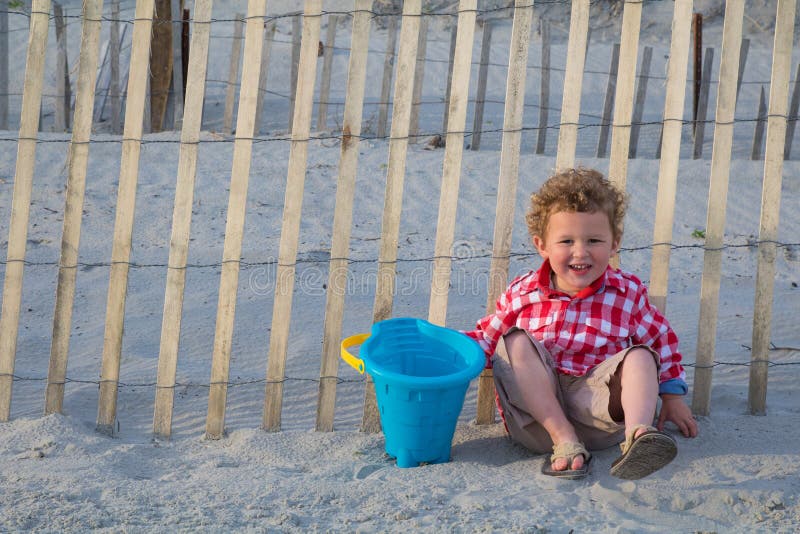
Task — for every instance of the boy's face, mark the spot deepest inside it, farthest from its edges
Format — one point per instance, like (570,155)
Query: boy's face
(579,247)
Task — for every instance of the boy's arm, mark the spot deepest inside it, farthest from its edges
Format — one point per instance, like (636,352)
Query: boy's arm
(490,329)
(653,329)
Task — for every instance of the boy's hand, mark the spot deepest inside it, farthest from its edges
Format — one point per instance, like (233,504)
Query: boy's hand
(674,409)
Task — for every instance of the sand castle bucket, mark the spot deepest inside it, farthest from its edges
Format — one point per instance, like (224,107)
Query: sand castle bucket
(421,373)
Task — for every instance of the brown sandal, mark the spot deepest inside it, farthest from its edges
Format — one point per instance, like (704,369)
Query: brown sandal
(644,454)
(569,451)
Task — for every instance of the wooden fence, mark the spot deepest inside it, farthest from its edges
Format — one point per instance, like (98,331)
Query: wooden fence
(404,127)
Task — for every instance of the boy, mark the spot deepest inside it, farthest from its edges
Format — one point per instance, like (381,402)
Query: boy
(582,356)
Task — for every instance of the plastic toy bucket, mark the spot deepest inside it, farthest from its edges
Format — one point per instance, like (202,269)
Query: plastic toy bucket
(421,373)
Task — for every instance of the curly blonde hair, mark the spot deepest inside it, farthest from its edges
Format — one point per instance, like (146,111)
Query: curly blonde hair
(579,190)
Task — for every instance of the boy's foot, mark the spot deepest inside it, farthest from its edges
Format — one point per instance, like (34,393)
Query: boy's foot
(645,451)
(568,453)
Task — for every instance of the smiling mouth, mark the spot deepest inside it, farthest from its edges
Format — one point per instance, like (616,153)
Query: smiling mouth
(580,268)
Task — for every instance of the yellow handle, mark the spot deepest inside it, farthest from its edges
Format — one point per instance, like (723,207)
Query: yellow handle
(354,362)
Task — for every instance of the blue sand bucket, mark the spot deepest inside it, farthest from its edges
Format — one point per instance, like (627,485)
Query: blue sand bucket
(421,373)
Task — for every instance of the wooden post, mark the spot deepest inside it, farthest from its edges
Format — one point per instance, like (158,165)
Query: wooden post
(177,64)
(343,215)
(181,221)
(419,76)
(608,104)
(114,48)
(507,183)
(386,85)
(451,172)
(761,121)
(697,33)
(296,33)
(794,107)
(63,96)
(233,73)
(21,200)
(73,208)
(544,90)
(717,202)
(123,223)
(4,69)
(670,155)
(290,231)
(641,95)
(702,105)
(266,51)
(573,81)
(453,32)
(327,64)
(623,99)
(234,225)
(395,175)
(483,75)
(770,204)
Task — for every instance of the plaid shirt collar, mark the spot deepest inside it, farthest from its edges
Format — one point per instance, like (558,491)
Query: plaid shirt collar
(540,281)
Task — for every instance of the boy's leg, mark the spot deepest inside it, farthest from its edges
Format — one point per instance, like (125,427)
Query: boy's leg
(531,388)
(634,390)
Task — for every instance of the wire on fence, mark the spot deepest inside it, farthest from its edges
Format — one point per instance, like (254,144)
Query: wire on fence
(339,380)
(351,261)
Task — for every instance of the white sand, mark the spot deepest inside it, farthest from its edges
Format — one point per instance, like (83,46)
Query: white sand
(740,475)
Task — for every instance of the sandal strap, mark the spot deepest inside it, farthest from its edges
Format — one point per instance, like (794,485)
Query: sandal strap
(625,445)
(569,451)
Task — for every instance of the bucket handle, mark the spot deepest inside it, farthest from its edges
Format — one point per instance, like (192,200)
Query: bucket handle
(354,362)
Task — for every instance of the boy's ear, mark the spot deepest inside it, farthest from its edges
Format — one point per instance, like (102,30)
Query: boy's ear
(538,242)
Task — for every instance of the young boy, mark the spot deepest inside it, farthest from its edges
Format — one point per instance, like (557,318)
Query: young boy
(581,355)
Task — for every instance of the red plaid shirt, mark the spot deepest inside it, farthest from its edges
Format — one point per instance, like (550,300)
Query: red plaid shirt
(580,332)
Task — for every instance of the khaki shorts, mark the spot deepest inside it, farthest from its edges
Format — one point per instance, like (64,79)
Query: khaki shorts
(584,400)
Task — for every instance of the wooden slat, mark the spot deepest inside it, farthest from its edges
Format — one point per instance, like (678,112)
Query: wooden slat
(233,73)
(343,214)
(702,105)
(177,64)
(266,52)
(717,202)
(63,97)
(761,122)
(4,69)
(419,77)
(234,225)
(623,99)
(674,101)
(507,182)
(573,83)
(21,200)
(483,76)
(327,65)
(641,96)
(123,223)
(770,204)
(453,152)
(608,104)
(181,220)
(73,207)
(453,35)
(293,201)
(386,84)
(395,175)
(113,85)
(296,36)
(544,92)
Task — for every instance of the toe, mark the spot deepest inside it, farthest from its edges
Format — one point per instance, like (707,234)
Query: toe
(559,464)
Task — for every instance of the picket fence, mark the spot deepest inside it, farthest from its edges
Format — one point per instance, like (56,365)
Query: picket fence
(404,119)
